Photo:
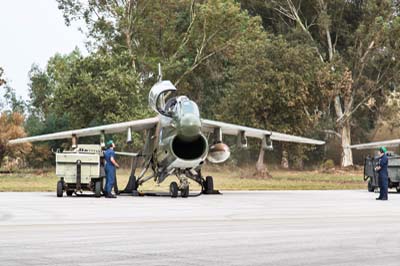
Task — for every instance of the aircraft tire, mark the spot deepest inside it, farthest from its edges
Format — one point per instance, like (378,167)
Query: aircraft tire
(59,189)
(185,192)
(69,193)
(97,189)
(209,185)
(370,187)
(173,189)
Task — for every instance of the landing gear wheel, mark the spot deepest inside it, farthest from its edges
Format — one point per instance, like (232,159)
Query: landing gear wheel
(398,189)
(59,189)
(69,193)
(173,189)
(209,185)
(185,192)
(370,187)
(97,189)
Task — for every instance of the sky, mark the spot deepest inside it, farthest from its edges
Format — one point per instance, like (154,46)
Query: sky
(30,33)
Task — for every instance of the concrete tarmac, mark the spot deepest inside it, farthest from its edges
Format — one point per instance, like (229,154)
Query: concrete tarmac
(236,228)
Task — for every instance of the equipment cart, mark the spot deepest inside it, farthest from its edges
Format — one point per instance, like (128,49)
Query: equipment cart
(81,169)
(372,176)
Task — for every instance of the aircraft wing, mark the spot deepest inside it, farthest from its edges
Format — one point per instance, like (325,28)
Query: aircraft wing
(234,130)
(377,144)
(136,125)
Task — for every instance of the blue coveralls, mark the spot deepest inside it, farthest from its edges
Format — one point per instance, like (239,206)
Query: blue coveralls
(110,170)
(383,177)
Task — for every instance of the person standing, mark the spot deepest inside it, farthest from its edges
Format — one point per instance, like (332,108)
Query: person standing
(382,170)
(110,169)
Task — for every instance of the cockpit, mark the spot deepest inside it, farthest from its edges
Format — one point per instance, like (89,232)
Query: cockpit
(189,107)
(181,105)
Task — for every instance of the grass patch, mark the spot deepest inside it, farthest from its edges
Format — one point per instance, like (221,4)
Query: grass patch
(225,178)
(29,180)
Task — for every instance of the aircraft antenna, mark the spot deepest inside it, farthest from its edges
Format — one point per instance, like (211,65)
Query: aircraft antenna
(159,72)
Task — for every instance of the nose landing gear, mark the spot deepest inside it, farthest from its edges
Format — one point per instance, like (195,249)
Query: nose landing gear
(183,188)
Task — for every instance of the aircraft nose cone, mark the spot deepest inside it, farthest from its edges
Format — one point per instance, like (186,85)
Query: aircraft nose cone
(190,126)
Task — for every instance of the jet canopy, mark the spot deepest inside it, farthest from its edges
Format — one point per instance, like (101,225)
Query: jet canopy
(158,94)
(184,106)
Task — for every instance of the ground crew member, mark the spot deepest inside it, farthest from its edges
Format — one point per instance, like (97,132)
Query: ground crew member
(382,170)
(110,169)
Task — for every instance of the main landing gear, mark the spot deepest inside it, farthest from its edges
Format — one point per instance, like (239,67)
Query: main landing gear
(208,185)
(173,189)
(180,188)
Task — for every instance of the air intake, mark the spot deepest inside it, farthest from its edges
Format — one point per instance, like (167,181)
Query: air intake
(189,150)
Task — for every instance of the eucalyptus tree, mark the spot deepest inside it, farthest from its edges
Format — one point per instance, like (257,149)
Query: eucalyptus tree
(197,42)
(274,85)
(357,43)
(193,40)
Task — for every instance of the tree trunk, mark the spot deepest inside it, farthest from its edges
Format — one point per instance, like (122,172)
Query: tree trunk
(347,155)
(2,153)
(344,114)
(298,164)
(285,159)
(261,168)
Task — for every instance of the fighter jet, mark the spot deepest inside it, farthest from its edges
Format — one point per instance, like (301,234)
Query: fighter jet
(176,142)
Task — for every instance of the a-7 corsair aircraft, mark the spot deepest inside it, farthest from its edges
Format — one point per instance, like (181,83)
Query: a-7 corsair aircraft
(175,140)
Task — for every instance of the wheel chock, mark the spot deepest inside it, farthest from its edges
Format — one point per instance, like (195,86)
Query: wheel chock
(212,192)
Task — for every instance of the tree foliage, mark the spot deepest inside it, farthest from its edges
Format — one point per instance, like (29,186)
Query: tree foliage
(12,127)
(357,44)
(273,85)
(298,67)
(2,80)
(193,40)
(90,90)
(13,103)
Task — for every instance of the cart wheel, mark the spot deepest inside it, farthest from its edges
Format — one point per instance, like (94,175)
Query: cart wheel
(69,193)
(97,189)
(370,187)
(59,189)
